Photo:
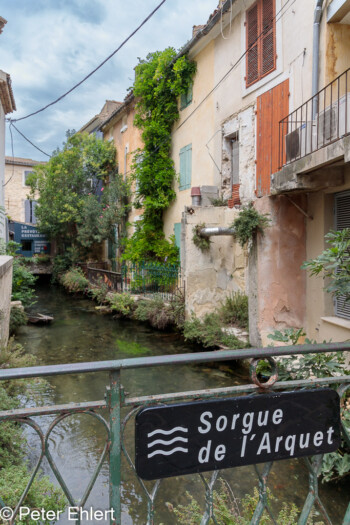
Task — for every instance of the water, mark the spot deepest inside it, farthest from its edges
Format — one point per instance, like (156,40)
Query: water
(80,334)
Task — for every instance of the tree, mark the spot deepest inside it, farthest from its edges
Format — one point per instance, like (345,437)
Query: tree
(82,197)
(334,262)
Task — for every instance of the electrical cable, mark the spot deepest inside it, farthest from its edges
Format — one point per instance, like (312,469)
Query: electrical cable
(13,158)
(94,70)
(30,142)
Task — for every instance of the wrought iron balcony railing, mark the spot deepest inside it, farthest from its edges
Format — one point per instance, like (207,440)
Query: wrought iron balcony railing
(321,120)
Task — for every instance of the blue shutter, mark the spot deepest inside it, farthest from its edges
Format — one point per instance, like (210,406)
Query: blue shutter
(177,232)
(34,205)
(185,167)
(27,210)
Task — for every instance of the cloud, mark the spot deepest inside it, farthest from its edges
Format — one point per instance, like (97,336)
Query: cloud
(47,47)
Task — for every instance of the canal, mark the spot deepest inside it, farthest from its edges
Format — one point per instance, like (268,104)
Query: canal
(80,334)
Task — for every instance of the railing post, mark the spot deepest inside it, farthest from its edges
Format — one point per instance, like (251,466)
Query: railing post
(114,404)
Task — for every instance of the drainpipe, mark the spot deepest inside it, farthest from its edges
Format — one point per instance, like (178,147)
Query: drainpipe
(209,232)
(315,56)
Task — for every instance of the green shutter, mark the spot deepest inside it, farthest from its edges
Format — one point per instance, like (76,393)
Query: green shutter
(185,167)
(186,98)
(177,232)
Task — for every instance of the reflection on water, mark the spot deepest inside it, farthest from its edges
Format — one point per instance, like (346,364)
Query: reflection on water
(79,334)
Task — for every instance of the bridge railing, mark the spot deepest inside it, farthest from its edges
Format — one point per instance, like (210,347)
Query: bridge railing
(109,413)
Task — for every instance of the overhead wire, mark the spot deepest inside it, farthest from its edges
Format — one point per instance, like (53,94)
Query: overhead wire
(96,68)
(13,159)
(28,140)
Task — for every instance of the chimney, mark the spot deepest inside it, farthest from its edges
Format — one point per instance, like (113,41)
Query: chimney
(195,30)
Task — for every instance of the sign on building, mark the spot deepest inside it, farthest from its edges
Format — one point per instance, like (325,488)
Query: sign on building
(201,436)
(30,239)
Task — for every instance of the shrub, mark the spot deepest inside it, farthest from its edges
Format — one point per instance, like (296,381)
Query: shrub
(234,310)
(123,303)
(99,292)
(75,281)
(61,264)
(248,222)
(208,332)
(18,318)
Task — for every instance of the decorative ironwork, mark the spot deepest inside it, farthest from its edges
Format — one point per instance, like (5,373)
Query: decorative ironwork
(116,427)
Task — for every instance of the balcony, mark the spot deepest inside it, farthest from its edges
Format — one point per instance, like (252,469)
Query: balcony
(315,138)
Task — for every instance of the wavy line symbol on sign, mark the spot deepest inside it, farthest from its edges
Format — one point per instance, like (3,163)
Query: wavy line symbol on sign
(166,442)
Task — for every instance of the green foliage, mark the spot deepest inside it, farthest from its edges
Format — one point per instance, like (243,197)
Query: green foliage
(14,472)
(248,222)
(337,464)
(18,318)
(159,81)
(219,202)
(208,332)
(234,310)
(202,243)
(61,263)
(99,292)
(68,210)
(22,280)
(160,314)
(229,511)
(122,303)
(334,263)
(75,281)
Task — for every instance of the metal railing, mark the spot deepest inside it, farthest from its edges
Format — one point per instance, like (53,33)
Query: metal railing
(97,276)
(116,427)
(323,119)
(152,278)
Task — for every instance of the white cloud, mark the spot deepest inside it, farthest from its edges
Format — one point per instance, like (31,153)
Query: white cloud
(47,47)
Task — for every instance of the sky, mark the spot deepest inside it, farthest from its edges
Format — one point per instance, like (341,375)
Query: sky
(47,46)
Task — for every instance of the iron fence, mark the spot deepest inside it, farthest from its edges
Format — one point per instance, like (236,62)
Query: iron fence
(152,278)
(116,426)
(321,120)
(97,276)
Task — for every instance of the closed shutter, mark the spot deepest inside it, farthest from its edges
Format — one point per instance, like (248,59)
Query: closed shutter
(27,211)
(185,167)
(268,56)
(342,221)
(252,45)
(177,232)
(34,205)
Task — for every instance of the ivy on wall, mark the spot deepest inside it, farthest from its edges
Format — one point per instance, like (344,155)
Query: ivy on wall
(159,81)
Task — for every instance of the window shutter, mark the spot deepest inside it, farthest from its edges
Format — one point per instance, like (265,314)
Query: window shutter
(34,205)
(268,55)
(182,168)
(27,210)
(252,61)
(177,232)
(188,166)
(342,220)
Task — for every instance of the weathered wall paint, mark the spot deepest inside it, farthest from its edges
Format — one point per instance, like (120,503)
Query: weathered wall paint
(211,275)
(281,250)
(337,50)
(16,192)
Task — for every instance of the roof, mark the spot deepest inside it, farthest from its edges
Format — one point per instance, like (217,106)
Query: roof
(6,94)
(96,122)
(23,162)
(118,111)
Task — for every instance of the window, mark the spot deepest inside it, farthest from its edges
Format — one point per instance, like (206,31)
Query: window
(186,98)
(29,211)
(185,167)
(261,41)
(177,233)
(342,220)
(25,177)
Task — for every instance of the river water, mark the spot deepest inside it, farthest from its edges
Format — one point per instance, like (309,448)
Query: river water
(80,334)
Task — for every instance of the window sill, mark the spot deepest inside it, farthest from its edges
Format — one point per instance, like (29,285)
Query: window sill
(337,321)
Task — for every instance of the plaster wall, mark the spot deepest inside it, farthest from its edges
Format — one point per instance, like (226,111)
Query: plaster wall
(126,143)
(5,297)
(337,50)
(322,324)
(280,295)
(16,192)
(198,131)
(2,171)
(212,275)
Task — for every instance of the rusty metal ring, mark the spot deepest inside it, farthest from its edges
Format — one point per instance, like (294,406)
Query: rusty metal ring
(253,373)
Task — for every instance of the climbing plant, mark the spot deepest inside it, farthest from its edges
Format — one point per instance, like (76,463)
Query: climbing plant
(248,222)
(159,80)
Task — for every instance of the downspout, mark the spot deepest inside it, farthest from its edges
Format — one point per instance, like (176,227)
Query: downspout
(315,56)
(209,232)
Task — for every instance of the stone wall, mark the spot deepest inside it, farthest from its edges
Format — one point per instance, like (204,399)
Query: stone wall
(5,297)
(211,275)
